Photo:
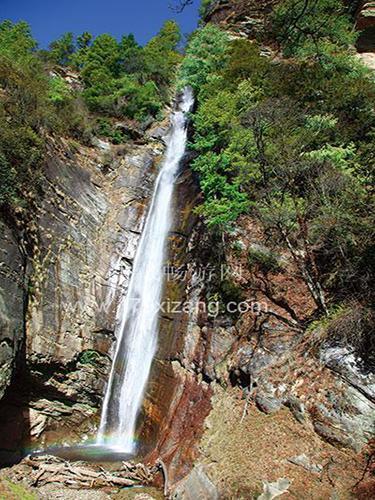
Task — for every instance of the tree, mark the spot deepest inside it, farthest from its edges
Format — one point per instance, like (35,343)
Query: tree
(205,5)
(205,55)
(135,100)
(61,50)
(131,55)
(84,40)
(78,58)
(16,40)
(103,54)
(312,27)
(7,181)
(161,56)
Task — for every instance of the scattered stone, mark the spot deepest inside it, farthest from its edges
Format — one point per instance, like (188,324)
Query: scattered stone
(268,404)
(54,491)
(344,362)
(297,408)
(103,145)
(196,485)
(304,461)
(273,490)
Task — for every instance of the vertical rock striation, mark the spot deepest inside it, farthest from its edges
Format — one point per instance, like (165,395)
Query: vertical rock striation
(85,232)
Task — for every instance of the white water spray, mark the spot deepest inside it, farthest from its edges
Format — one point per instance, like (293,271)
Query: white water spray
(137,331)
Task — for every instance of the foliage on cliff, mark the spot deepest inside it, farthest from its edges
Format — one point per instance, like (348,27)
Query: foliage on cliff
(312,29)
(121,78)
(288,140)
(115,81)
(31,103)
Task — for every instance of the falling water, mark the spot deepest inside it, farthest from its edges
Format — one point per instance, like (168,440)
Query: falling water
(138,329)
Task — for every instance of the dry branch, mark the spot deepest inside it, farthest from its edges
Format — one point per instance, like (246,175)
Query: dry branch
(49,469)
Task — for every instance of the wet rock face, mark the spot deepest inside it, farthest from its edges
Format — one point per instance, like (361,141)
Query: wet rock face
(12,294)
(177,399)
(86,229)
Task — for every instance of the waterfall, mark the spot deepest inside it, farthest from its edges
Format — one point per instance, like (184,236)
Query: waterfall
(137,330)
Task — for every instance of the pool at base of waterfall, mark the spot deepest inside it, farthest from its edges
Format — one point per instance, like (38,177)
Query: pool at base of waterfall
(87,453)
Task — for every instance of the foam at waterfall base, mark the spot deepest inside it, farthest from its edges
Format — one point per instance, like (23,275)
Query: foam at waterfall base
(87,453)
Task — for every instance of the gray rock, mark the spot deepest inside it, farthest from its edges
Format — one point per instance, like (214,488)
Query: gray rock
(99,143)
(349,420)
(304,461)
(273,490)
(196,486)
(86,229)
(267,403)
(158,133)
(342,361)
(12,270)
(297,408)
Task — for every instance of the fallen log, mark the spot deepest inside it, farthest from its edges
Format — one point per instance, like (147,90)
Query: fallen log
(49,469)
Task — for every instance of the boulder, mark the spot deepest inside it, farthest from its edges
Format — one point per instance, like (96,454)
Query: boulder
(196,485)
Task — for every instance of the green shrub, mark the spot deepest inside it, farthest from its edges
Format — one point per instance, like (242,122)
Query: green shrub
(230,291)
(89,357)
(105,128)
(265,260)
(7,181)
(59,91)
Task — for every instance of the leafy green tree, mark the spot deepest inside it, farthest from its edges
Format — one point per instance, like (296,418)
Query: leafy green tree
(245,62)
(84,40)
(161,56)
(31,104)
(290,142)
(131,54)
(204,6)
(78,59)
(312,27)
(205,55)
(139,101)
(104,55)
(16,40)
(61,50)
(100,90)
(7,181)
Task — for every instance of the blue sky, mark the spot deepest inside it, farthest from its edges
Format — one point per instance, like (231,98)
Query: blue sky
(50,18)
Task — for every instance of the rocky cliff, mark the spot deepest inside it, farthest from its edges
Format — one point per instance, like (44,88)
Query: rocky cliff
(365,16)
(56,348)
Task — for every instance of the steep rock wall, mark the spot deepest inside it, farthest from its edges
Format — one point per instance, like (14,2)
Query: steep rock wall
(12,301)
(85,233)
